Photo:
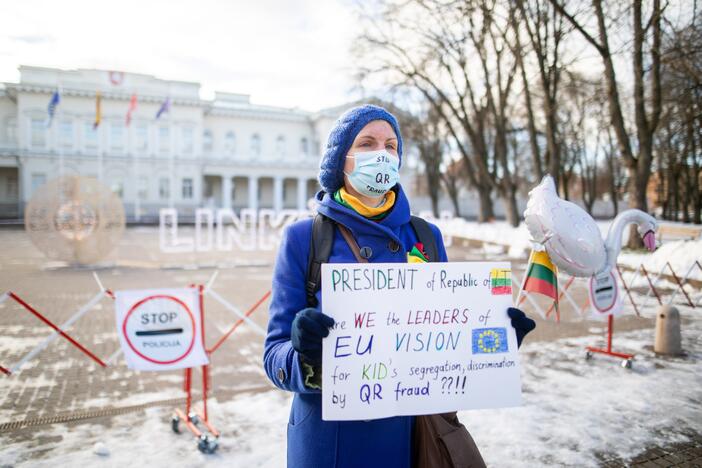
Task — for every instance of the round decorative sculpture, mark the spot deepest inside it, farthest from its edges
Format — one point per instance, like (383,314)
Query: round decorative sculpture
(74,219)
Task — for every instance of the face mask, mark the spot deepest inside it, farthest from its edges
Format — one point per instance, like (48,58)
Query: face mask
(374,173)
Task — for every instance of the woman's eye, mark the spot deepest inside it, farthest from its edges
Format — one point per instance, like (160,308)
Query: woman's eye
(390,146)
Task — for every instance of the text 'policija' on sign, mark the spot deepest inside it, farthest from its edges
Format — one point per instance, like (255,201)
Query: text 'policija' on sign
(417,339)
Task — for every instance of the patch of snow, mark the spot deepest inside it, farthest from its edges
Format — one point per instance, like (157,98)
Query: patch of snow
(681,255)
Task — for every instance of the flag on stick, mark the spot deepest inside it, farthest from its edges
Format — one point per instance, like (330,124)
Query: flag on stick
(165,107)
(132,108)
(53,103)
(542,276)
(98,110)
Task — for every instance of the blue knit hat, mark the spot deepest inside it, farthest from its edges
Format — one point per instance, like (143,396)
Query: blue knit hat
(344,131)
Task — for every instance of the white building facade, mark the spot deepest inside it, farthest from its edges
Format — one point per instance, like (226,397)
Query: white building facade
(225,152)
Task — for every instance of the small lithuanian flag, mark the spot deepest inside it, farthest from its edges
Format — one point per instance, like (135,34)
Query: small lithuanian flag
(542,276)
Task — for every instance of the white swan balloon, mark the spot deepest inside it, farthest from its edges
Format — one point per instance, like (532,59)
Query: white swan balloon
(570,235)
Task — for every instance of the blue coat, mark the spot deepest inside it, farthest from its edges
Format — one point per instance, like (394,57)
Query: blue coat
(313,443)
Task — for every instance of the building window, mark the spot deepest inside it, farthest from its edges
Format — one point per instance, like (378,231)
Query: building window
(255,145)
(229,143)
(163,139)
(280,146)
(38,179)
(141,137)
(38,133)
(90,135)
(117,188)
(143,188)
(66,133)
(164,188)
(187,135)
(187,189)
(207,141)
(9,181)
(11,130)
(116,136)
(304,147)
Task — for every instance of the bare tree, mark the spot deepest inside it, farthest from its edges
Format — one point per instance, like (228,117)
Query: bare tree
(452,180)
(646,47)
(545,30)
(426,132)
(455,55)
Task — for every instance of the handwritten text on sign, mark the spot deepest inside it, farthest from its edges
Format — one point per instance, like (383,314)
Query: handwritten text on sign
(415,339)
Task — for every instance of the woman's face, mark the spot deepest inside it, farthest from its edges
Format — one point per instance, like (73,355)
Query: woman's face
(376,135)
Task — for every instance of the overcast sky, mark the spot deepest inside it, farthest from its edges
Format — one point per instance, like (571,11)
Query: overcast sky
(283,53)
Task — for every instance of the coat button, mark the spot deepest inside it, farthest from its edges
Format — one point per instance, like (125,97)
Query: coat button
(366,252)
(393,246)
(281,375)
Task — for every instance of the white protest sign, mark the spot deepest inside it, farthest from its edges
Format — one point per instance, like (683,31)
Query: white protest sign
(160,329)
(414,339)
(605,298)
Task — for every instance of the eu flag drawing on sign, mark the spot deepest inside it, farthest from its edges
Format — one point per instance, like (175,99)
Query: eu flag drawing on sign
(489,340)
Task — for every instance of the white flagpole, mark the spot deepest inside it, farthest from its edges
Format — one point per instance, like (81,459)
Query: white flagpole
(171,188)
(58,140)
(99,136)
(135,158)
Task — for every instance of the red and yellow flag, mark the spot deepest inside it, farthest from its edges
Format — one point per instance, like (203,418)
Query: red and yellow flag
(98,110)
(542,276)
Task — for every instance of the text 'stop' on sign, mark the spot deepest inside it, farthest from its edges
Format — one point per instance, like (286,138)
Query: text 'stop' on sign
(160,329)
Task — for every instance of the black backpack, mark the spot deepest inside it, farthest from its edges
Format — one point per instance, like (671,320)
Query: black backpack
(321,244)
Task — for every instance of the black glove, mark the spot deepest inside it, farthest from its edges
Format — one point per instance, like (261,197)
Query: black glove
(308,329)
(521,323)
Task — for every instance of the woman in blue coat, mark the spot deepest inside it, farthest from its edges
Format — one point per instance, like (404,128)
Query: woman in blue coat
(361,191)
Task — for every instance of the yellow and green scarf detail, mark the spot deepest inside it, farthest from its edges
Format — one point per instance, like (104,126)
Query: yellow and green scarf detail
(344,198)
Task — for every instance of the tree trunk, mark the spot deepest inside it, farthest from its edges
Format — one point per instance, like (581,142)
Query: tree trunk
(511,210)
(456,207)
(638,200)
(486,212)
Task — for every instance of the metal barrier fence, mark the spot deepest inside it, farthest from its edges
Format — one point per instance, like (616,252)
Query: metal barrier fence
(639,274)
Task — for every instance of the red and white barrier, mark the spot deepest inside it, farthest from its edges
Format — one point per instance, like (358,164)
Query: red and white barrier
(58,331)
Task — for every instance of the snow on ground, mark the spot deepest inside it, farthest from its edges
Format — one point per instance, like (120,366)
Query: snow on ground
(574,411)
(681,255)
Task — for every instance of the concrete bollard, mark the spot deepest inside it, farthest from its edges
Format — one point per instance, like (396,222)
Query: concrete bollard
(668,339)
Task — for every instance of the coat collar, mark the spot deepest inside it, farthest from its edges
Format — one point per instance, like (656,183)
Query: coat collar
(388,226)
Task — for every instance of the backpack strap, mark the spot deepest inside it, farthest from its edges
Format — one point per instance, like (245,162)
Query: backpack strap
(321,242)
(426,237)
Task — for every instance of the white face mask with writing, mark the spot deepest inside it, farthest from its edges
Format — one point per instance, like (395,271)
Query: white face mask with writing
(374,172)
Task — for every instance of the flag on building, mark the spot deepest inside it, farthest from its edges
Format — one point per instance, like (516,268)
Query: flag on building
(165,107)
(542,276)
(98,110)
(53,103)
(132,108)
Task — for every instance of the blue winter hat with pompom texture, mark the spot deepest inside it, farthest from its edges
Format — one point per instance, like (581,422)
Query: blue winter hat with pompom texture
(341,136)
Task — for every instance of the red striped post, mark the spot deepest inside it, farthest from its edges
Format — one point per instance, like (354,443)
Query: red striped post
(653,288)
(560,295)
(188,389)
(677,280)
(57,329)
(628,293)
(239,322)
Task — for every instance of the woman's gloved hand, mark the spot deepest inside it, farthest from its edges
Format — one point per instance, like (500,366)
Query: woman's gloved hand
(308,328)
(521,323)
